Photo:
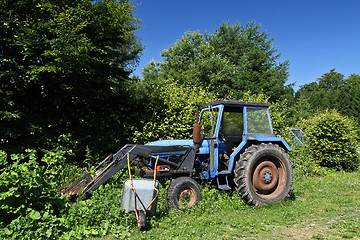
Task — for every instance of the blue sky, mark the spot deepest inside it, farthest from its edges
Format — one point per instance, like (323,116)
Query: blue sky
(315,36)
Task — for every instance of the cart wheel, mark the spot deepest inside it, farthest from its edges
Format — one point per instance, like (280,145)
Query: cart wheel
(183,193)
(142,220)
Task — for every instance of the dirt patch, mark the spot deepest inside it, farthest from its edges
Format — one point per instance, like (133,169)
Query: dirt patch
(319,228)
(302,232)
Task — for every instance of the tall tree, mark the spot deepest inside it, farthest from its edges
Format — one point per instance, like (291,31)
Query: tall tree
(348,102)
(331,80)
(332,91)
(201,67)
(233,60)
(193,61)
(64,69)
(252,52)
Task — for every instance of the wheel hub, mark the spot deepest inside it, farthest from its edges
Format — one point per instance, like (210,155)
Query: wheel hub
(265,177)
(187,198)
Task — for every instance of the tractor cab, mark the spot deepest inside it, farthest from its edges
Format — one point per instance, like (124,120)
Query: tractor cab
(227,128)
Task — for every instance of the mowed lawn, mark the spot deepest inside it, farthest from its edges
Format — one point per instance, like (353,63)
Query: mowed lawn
(326,207)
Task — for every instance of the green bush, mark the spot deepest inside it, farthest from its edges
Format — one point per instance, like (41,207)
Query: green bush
(304,163)
(172,113)
(30,207)
(99,216)
(333,140)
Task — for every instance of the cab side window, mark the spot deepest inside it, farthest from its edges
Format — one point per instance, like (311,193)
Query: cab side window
(233,122)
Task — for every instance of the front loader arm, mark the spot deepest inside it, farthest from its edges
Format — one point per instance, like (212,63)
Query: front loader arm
(83,185)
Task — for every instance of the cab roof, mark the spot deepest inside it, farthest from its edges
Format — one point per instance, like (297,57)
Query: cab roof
(235,103)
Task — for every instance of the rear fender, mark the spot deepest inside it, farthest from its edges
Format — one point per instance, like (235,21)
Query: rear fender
(263,138)
(249,140)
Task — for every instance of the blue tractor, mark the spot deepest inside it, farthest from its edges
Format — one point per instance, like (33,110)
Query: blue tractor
(233,145)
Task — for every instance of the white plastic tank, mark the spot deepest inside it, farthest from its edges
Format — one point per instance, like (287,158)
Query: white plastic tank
(145,194)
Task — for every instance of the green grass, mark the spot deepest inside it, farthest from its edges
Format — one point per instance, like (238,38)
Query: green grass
(319,208)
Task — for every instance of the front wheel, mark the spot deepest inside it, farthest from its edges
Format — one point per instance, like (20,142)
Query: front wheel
(142,220)
(263,174)
(183,193)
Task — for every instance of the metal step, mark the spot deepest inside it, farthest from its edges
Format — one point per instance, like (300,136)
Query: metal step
(223,186)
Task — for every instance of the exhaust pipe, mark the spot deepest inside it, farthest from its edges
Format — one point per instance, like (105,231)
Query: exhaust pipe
(197,132)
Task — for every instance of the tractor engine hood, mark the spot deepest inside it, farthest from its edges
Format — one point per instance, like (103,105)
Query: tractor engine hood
(170,144)
(173,142)
(204,146)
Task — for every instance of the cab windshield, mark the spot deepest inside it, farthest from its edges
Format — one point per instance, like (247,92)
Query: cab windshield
(258,121)
(208,119)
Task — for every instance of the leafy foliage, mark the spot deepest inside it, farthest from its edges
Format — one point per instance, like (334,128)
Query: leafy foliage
(331,91)
(30,207)
(304,163)
(333,140)
(170,110)
(234,59)
(64,69)
(250,50)
(99,216)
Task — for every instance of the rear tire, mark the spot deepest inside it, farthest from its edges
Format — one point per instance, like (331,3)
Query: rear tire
(183,193)
(263,174)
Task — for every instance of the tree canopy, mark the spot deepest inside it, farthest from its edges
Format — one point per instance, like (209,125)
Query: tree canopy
(332,91)
(232,61)
(65,69)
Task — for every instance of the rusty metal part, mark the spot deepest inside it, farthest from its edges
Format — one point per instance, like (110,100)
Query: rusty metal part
(76,184)
(265,177)
(187,197)
(142,220)
(197,132)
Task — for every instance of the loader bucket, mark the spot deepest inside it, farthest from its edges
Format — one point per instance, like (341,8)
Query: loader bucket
(73,188)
